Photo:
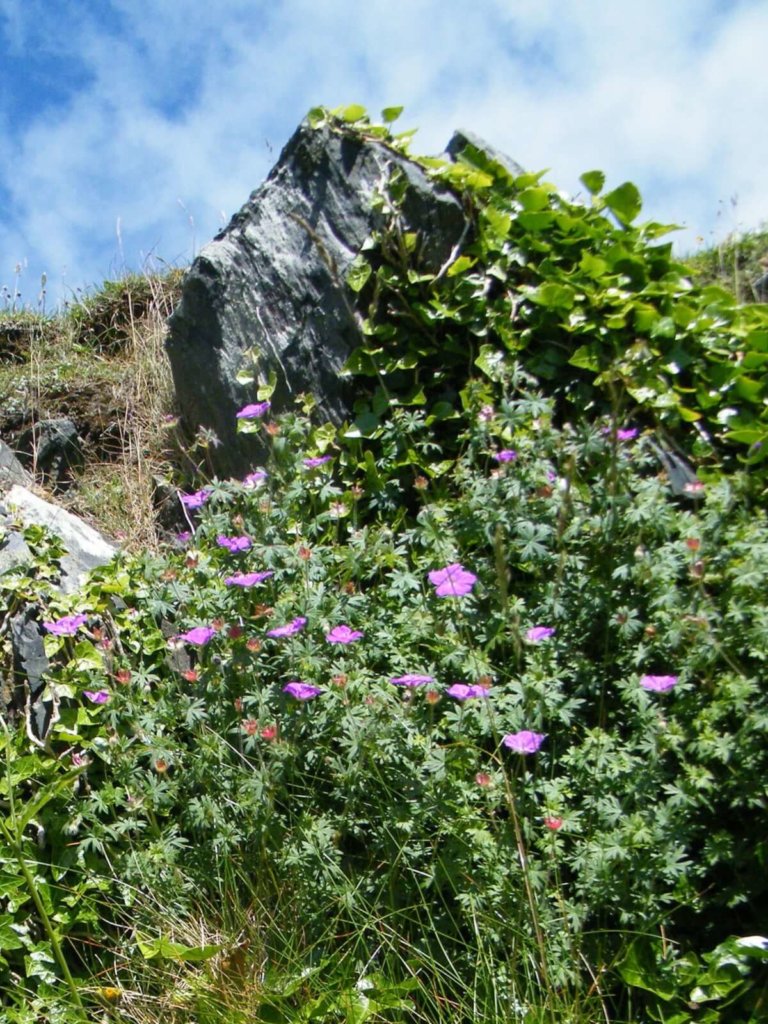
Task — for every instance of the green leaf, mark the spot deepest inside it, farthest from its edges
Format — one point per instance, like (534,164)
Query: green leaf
(586,357)
(351,114)
(593,181)
(553,296)
(162,947)
(390,114)
(624,202)
(359,273)
(491,362)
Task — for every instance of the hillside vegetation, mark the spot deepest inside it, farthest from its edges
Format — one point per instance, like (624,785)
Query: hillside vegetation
(456,712)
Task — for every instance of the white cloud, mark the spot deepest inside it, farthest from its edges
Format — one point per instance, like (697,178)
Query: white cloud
(177,109)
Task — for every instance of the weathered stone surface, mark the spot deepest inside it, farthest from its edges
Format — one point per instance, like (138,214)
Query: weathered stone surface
(30,663)
(11,470)
(86,548)
(274,279)
(462,140)
(53,447)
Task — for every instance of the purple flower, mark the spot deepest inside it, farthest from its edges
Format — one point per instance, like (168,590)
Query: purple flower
(290,629)
(539,633)
(253,412)
(247,579)
(301,691)
(411,680)
(452,581)
(258,476)
(658,684)
(66,626)
(506,455)
(343,635)
(462,691)
(97,696)
(317,460)
(183,536)
(200,635)
(627,435)
(525,742)
(233,543)
(195,500)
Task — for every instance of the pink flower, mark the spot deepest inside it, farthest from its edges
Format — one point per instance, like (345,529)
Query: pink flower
(343,635)
(253,412)
(290,629)
(452,581)
(317,460)
(301,691)
(200,635)
(486,414)
(524,742)
(247,579)
(196,499)
(553,824)
(411,680)
(627,435)
(462,691)
(539,633)
(66,626)
(658,684)
(233,544)
(97,696)
(506,455)
(255,478)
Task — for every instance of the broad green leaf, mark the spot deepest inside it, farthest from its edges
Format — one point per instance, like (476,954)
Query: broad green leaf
(593,266)
(351,114)
(460,266)
(624,202)
(390,114)
(266,390)
(491,362)
(9,937)
(538,221)
(586,357)
(359,273)
(593,181)
(552,296)
(162,947)
(534,199)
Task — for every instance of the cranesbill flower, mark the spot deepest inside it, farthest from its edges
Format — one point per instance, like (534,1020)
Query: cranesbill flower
(506,455)
(463,691)
(658,684)
(539,633)
(524,742)
(233,544)
(255,478)
(343,635)
(301,691)
(254,411)
(200,635)
(317,460)
(411,680)
(68,625)
(247,579)
(627,435)
(452,581)
(195,500)
(97,696)
(289,629)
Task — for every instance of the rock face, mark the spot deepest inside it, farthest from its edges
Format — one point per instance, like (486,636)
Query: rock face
(274,280)
(86,549)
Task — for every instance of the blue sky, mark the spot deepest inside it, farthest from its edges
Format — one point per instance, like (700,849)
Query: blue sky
(133,129)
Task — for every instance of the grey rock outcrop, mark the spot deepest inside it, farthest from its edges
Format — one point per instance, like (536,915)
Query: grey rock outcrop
(11,470)
(274,280)
(86,548)
(53,447)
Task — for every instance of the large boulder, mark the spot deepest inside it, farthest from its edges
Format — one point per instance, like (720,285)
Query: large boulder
(274,280)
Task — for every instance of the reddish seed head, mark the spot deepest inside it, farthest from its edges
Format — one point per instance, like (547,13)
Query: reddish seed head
(234,632)
(238,704)
(483,779)
(693,543)
(123,675)
(421,483)
(553,824)
(250,725)
(339,680)
(431,696)
(191,675)
(304,552)
(269,732)
(253,644)
(161,765)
